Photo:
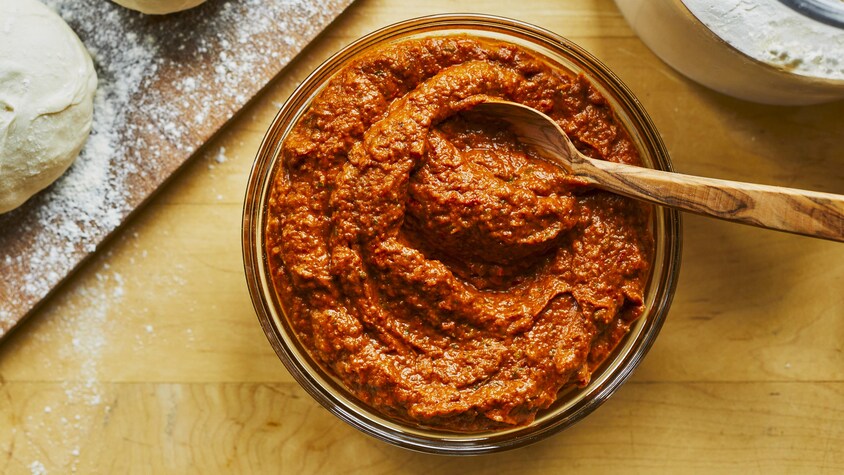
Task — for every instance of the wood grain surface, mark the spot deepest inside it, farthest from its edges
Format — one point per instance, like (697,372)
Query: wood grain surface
(150,359)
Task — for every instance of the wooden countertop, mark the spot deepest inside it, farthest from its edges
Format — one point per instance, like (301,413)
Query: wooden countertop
(151,359)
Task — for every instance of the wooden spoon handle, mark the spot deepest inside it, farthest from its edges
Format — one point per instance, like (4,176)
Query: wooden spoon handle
(786,209)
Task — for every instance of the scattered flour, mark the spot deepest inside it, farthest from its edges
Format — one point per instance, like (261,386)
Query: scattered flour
(771,32)
(48,237)
(37,468)
(160,78)
(221,156)
(81,403)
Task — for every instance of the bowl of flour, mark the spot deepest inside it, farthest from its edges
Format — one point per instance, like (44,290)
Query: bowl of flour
(784,52)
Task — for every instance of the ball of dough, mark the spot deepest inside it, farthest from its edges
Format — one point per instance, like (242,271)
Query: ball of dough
(159,7)
(47,84)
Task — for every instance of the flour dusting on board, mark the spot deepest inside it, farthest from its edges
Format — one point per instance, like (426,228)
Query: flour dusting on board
(166,85)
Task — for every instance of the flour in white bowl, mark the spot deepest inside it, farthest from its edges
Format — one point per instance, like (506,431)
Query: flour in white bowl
(773,33)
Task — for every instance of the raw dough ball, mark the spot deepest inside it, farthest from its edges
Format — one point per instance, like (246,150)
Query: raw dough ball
(47,84)
(159,7)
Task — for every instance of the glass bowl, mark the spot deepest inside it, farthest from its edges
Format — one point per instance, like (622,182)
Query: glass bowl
(572,405)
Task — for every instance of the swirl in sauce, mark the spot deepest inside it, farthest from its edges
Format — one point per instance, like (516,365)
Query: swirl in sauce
(441,270)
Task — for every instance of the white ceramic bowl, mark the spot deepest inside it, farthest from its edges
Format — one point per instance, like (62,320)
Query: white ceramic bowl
(685,43)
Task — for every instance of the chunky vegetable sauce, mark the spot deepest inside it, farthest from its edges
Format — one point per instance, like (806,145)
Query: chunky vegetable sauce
(440,269)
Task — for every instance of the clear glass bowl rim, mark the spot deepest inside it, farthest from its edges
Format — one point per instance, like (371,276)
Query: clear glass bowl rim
(329,393)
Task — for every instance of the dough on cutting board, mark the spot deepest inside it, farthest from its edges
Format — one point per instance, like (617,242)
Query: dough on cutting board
(159,7)
(47,85)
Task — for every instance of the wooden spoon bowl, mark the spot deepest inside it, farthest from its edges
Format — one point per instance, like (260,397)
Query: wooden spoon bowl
(803,212)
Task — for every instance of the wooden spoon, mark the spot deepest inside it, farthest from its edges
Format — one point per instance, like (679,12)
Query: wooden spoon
(786,209)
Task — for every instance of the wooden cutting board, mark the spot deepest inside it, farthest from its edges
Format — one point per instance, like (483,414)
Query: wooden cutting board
(166,85)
